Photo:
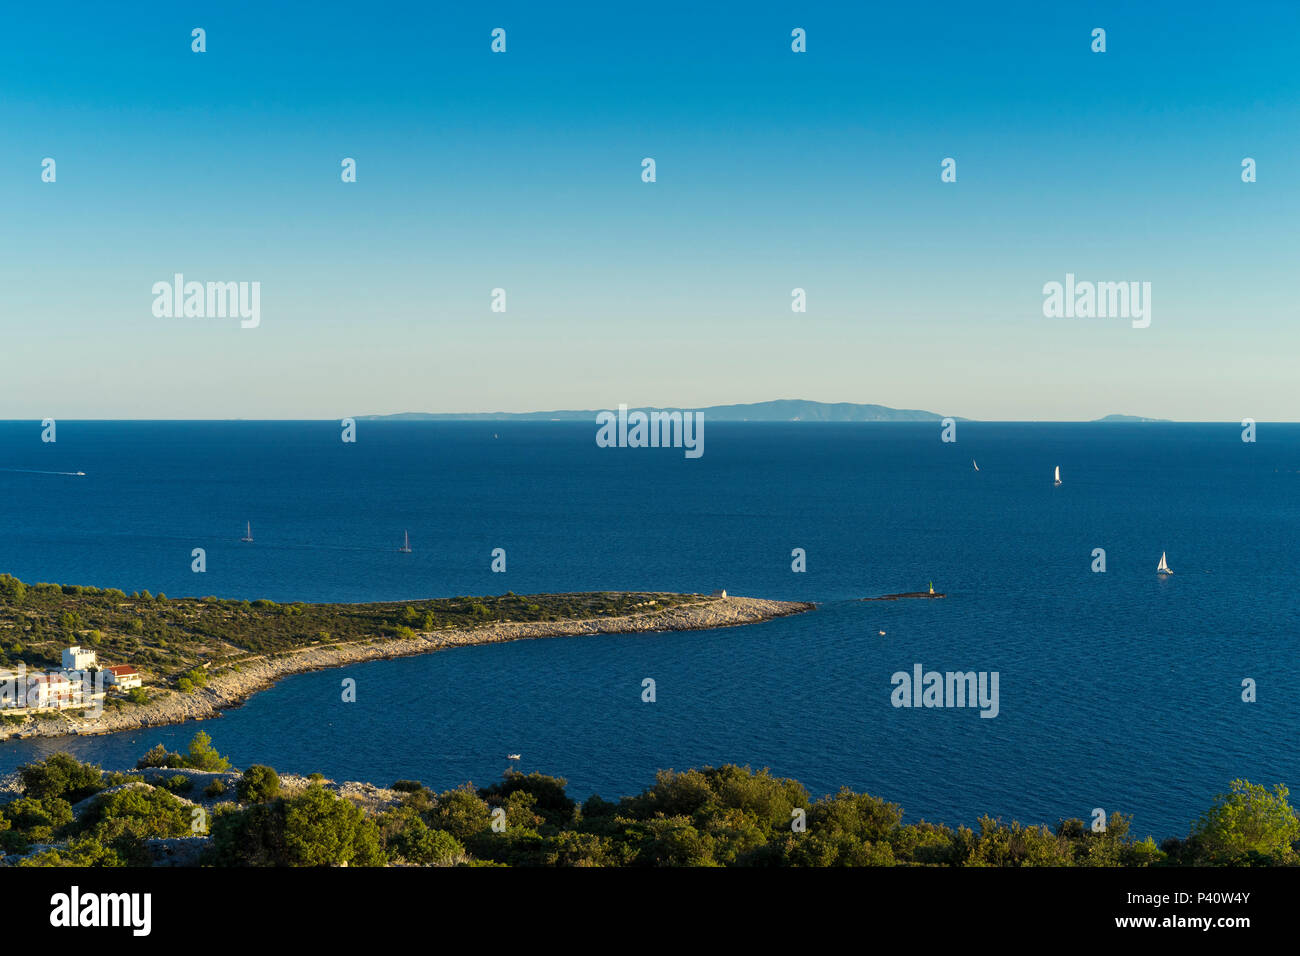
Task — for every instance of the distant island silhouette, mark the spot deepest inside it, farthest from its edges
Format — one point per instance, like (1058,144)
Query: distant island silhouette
(781,410)
(1130,418)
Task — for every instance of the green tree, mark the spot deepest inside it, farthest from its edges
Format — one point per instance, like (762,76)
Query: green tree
(1249,821)
(201,755)
(407,837)
(572,848)
(12,591)
(251,837)
(462,813)
(321,829)
(37,819)
(138,812)
(554,805)
(60,775)
(671,841)
(314,828)
(259,784)
(159,756)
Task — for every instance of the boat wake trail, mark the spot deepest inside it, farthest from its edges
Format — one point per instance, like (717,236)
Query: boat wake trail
(34,471)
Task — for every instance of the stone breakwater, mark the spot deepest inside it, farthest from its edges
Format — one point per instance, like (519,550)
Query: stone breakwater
(228,688)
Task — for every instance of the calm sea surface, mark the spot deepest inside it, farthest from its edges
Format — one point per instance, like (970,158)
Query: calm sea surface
(1119,690)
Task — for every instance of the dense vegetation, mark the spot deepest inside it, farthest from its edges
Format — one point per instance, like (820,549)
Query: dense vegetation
(180,640)
(74,814)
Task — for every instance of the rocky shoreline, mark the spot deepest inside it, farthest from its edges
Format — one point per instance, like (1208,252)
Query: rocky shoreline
(229,688)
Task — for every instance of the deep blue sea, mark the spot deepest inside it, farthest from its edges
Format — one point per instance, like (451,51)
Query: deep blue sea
(1119,690)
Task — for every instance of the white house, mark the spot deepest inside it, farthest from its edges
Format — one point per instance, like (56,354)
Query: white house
(13,688)
(21,692)
(123,677)
(75,659)
(52,690)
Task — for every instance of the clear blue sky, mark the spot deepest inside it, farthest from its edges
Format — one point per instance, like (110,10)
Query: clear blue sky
(775,170)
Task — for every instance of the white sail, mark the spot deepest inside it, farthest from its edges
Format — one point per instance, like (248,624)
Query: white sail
(1164,564)
(977,467)
(1058,474)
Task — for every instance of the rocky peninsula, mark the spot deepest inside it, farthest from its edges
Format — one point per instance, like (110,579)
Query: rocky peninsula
(203,656)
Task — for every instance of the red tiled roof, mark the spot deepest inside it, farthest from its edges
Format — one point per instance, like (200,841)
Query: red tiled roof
(122,670)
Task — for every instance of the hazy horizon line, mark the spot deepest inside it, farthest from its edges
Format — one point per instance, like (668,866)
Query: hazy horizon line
(479,417)
(732,412)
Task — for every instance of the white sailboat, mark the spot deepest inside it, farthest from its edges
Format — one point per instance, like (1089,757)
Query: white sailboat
(1057,481)
(248,535)
(977,467)
(406,543)
(1163,567)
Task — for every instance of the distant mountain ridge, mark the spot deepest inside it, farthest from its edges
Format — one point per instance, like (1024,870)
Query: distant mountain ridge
(781,410)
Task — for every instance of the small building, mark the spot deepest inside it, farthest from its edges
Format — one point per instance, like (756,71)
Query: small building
(123,677)
(23,693)
(76,659)
(13,687)
(52,690)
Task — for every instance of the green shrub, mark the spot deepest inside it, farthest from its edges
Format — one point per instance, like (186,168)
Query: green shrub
(12,591)
(84,852)
(37,820)
(259,784)
(136,813)
(408,838)
(547,792)
(61,775)
(178,783)
(462,813)
(159,756)
(314,828)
